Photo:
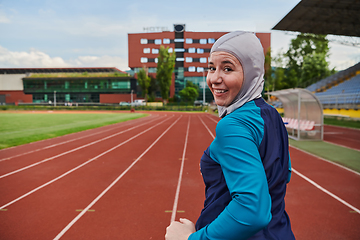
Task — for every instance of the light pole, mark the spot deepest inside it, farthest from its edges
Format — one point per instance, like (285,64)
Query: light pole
(54,98)
(132,97)
(204,85)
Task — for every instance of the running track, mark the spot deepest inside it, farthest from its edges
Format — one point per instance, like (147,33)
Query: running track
(129,180)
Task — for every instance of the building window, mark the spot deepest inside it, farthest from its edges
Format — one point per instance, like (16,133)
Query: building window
(143,41)
(120,85)
(189,41)
(143,60)
(200,50)
(156,61)
(191,69)
(158,41)
(200,69)
(203,60)
(170,50)
(211,40)
(155,51)
(192,50)
(146,50)
(179,59)
(166,41)
(179,50)
(178,40)
(203,41)
(189,59)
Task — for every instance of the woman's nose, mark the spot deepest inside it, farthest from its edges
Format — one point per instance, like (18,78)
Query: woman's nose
(215,77)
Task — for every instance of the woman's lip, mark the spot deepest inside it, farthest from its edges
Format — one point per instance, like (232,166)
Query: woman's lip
(219,92)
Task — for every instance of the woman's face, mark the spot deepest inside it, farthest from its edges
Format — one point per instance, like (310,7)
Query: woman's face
(225,77)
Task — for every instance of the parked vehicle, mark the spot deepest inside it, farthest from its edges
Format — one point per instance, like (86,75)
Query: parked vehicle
(139,102)
(200,103)
(124,104)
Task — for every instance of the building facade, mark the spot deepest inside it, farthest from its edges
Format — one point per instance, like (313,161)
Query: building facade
(192,54)
(65,85)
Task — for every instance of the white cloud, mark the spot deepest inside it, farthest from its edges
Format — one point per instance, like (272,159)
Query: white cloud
(3,18)
(343,56)
(46,12)
(33,58)
(38,59)
(102,61)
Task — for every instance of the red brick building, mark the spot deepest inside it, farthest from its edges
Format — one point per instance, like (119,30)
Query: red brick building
(192,52)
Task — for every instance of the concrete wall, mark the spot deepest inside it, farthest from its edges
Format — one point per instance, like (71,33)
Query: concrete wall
(11,82)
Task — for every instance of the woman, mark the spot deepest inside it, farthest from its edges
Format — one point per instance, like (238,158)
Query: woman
(247,166)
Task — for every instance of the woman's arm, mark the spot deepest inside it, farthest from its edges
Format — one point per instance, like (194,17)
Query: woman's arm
(235,148)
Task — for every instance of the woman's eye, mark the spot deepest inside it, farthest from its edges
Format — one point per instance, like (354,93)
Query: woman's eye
(227,69)
(211,68)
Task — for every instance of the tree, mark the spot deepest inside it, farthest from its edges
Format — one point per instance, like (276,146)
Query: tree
(190,92)
(152,89)
(314,68)
(268,72)
(144,81)
(305,49)
(165,68)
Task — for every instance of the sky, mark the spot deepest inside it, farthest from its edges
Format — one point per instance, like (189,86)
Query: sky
(89,33)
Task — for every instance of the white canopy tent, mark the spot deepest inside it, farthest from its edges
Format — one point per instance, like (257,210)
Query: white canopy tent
(303,114)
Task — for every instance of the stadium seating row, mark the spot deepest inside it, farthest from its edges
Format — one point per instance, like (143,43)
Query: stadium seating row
(347,92)
(350,86)
(333,79)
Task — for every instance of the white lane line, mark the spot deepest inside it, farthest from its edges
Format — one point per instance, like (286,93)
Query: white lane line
(326,191)
(68,141)
(112,184)
(333,133)
(216,121)
(72,150)
(176,200)
(212,135)
(83,164)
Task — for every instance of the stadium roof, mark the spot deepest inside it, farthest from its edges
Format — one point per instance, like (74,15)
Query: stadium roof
(336,17)
(57,70)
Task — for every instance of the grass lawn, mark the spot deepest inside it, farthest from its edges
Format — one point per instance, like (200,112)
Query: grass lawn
(342,122)
(341,155)
(25,127)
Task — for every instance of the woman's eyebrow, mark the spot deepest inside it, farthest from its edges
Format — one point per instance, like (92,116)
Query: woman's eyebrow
(223,62)
(226,62)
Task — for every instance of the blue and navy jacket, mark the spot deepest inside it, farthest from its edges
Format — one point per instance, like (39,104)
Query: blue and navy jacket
(245,171)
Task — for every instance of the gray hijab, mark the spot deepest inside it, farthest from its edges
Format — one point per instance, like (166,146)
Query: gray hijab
(246,47)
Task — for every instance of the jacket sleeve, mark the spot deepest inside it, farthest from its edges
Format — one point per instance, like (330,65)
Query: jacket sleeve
(235,148)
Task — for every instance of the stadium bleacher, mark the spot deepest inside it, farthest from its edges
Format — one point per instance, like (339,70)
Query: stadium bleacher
(334,79)
(340,89)
(347,92)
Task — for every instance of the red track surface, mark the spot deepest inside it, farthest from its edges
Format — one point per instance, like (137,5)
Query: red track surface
(348,137)
(125,177)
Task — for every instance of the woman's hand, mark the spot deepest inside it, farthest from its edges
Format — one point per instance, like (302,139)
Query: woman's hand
(180,230)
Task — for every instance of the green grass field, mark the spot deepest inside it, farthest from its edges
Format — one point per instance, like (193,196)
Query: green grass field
(20,128)
(344,156)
